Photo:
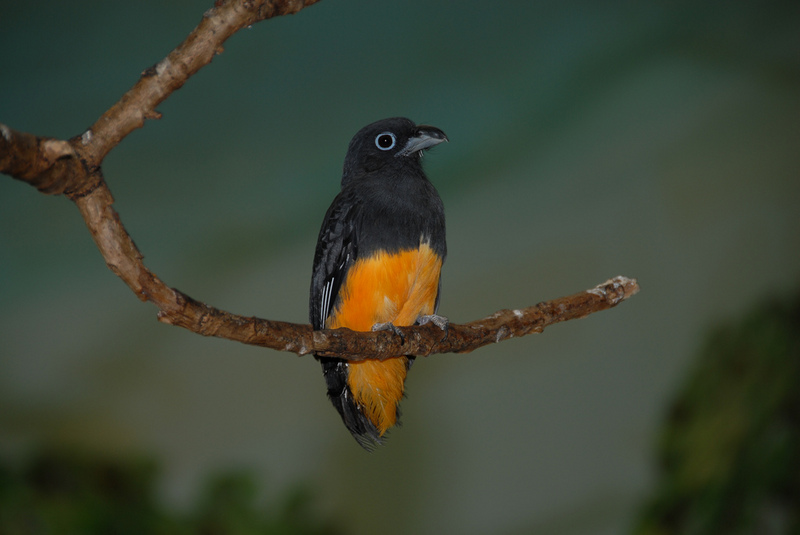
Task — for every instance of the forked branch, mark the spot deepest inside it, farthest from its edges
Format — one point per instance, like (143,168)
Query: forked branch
(73,168)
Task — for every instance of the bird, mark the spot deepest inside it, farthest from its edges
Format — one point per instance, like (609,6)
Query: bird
(377,266)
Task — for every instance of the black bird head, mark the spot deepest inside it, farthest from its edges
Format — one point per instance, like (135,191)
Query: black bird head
(390,146)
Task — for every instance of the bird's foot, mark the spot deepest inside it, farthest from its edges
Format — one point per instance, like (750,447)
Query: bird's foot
(439,321)
(389,326)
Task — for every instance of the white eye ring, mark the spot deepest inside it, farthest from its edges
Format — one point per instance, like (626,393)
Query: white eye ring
(385,141)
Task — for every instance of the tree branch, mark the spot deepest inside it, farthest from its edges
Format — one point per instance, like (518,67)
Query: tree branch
(417,340)
(161,80)
(73,168)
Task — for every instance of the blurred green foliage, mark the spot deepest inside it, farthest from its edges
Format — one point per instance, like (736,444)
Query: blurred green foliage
(69,493)
(730,451)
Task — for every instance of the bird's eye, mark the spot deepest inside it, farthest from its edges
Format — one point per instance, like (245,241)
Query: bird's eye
(385,141)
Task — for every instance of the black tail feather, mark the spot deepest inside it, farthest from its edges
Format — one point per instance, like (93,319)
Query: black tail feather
(362,429)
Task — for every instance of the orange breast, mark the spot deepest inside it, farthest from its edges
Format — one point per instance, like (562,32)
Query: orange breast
(397,288)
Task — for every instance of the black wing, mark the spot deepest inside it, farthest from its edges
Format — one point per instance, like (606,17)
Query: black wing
(336,252)
(337,249)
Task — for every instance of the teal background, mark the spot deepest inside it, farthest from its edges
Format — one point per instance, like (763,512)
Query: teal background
(654,140)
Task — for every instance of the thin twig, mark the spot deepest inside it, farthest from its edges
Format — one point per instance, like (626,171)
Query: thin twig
(162,79)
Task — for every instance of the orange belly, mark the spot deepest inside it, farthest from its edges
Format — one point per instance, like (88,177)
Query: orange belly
(397,288)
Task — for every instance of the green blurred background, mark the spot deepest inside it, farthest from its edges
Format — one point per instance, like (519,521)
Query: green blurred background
(654,140)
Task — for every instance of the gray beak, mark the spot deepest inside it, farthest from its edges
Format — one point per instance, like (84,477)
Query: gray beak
(425,138)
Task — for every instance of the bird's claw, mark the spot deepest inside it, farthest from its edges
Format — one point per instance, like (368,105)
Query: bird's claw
(389,326)
(440,321)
